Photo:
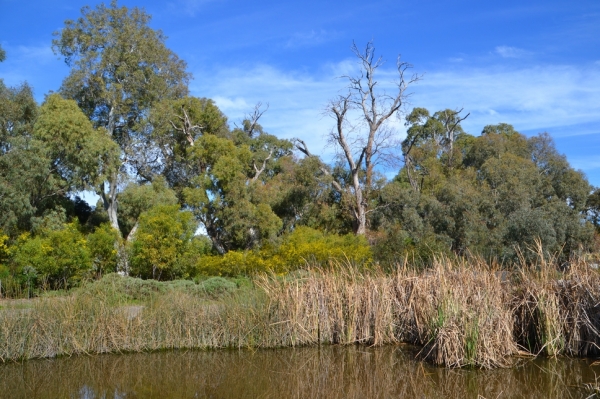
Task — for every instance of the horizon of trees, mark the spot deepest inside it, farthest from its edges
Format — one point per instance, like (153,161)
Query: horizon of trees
(163,162)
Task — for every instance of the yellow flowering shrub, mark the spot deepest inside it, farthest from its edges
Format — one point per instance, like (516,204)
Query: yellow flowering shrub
(304,246)
(55,258)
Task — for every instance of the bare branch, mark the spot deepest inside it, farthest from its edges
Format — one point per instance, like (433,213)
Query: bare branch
(259,171)
(187,127)
(254,117)
(302,147)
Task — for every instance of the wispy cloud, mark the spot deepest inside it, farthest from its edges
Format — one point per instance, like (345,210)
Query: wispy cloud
(532,99)
(40,54)
(529,98)
(310,38)
(296,101)
(587,163)
(510,52)
(35,64)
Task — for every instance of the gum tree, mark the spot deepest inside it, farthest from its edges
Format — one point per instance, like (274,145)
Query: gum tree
(369,140)
(119,68)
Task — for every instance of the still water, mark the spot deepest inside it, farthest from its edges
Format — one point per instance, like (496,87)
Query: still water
(327,372)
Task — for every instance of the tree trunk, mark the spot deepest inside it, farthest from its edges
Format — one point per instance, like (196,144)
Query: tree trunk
(110,202)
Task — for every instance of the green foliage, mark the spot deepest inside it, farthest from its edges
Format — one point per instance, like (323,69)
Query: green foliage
(80,154)
(54,258)
(217,286)
(395,245)
(502,194)
(221,196)
(117,61)
(102,248)
(160,241)
(117,289)
(120,67)
(137,199)
(24,166)
(593,208)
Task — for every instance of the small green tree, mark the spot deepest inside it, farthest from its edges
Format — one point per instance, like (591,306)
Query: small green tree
(164,233)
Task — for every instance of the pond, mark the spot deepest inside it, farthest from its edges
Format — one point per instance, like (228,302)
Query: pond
(327,372)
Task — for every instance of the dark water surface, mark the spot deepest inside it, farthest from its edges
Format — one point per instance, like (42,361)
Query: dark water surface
(327,372)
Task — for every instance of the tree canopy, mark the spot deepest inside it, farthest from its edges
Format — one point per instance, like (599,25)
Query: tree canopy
(185,192)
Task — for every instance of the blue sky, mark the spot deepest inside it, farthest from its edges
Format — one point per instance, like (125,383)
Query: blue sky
(533,64)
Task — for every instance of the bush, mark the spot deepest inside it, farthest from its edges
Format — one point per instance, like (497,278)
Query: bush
(217,286)
(115,288)
(161,239)
(53,259)
(102,249)
(302,247)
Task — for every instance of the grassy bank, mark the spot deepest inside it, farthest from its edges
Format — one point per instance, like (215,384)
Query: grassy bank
(461,313)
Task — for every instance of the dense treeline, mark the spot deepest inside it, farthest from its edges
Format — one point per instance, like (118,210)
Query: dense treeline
(165,164)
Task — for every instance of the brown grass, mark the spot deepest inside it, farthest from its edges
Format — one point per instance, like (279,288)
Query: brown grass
(462,313)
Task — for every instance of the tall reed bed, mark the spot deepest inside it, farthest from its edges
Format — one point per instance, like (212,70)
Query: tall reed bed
(462,313)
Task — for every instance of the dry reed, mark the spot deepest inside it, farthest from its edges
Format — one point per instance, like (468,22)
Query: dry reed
(462,313)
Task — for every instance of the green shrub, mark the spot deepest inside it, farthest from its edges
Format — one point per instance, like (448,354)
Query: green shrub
(115,288)
(102,249)
(217,286)
(161,239)
(54,258)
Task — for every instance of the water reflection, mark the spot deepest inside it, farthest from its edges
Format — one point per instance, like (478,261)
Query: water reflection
(327,372)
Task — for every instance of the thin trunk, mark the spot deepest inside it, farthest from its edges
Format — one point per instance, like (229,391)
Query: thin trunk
(212,234)
(109,200)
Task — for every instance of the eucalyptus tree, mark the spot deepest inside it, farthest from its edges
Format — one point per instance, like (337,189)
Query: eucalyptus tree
(46,153)
(362,149)
(119,68)
(22,158)
(223,176)
(593,208)
(504,192)
(431,137)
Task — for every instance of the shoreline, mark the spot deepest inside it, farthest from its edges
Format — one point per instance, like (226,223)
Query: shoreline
(461,315)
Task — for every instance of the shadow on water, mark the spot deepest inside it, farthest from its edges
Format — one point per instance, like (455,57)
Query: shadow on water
(327,372)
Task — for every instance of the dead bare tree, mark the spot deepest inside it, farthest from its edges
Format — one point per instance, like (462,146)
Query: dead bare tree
(251,120)
(368,140)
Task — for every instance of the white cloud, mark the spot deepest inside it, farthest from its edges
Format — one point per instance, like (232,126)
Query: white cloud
(41,53)
(296,101)
(530,98)
(534,98)
(510,52)
(35,64)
